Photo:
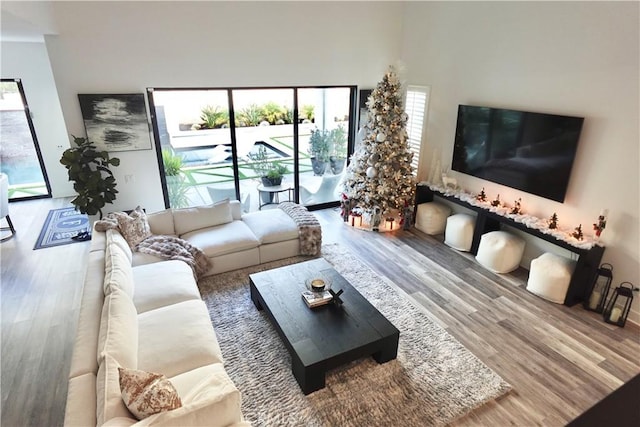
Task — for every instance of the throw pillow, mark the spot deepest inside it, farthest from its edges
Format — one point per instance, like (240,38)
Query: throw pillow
(133,227)
(189,219)
(147,393)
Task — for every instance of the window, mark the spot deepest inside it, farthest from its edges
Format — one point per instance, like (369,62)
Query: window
(253,144)
(416,105)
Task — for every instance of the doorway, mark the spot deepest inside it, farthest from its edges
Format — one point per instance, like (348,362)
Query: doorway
(20,155)
(217,143)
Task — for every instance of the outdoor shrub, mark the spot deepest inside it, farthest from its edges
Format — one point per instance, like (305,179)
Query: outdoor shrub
(213,117)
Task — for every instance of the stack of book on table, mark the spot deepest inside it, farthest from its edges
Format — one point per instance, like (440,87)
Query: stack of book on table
(315,299)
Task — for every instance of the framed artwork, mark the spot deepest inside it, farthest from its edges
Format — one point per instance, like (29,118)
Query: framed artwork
(116,122)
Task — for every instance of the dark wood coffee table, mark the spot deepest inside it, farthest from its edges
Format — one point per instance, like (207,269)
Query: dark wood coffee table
(325,337)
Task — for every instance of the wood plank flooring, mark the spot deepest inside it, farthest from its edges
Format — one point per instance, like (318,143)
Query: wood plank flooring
(560,360)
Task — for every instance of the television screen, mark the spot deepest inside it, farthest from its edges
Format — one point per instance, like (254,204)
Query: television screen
(532,152)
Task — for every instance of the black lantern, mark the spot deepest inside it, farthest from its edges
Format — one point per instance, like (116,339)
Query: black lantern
(599,289)
(619,304)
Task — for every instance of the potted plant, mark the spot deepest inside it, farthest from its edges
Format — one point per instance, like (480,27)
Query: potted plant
(92,179)
(274,175)
(176,187)
(338,149)
(319,149)
(270,172)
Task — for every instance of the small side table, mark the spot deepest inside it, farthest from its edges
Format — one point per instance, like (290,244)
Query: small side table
(274,194)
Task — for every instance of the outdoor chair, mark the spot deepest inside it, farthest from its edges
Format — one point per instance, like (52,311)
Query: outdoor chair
(326,192)
(221,191)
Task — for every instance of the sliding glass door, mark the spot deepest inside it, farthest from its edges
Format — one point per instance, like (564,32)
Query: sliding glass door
(251,144)
(20,156)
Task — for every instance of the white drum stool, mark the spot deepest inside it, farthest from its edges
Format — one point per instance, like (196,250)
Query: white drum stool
(431,218)
(459,232)
(550,276)
(500,252)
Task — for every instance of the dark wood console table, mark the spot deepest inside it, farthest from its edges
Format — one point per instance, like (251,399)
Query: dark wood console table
(486,221)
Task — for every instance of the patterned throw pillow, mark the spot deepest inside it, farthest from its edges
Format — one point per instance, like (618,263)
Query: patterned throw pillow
(133,227)
(146,393)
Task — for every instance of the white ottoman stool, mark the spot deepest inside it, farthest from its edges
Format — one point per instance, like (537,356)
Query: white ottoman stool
(550,276)
(459,231)
(431,217)
(500,252)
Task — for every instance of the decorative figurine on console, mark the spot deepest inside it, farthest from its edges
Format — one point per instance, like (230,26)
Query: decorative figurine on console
(496,203)
(602,222)
(578,233)
(553,221)
(336,297)
(448,182)
(516,209)
(482,196)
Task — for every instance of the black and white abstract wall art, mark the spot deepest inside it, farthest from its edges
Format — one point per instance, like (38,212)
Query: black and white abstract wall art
(116,122)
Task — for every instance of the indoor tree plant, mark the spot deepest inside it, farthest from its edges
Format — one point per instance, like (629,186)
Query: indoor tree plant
(92,179)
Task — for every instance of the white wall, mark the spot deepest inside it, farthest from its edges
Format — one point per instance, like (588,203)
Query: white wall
(125,47)
(29,62)
(573,58)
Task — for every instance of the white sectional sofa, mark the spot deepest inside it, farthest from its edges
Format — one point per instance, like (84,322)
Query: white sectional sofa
(142,312)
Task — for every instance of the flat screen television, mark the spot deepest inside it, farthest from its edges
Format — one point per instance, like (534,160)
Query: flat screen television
(532,152)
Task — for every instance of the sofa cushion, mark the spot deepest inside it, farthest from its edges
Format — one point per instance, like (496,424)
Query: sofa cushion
(236,210)
(114,237)
(85,357)
(109,403)
(81,401)
(271,226)
(176,339)
(209,397)
(140,258)
(119,329)
(147,393)
(161,223)
(117,271)
(162,284)
(223,239)
(190,219)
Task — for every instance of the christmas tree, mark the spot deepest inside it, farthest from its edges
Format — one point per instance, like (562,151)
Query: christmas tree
(380,172)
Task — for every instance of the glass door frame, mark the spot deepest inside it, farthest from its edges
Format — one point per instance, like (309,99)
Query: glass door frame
(232,128)
(36,144)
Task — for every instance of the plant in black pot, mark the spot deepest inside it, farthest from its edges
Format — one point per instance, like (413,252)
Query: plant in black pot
(275,174)
(92,179)
(319,149)
(338,156)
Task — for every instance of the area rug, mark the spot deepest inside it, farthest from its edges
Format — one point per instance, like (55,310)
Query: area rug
(60,226)
(433,381)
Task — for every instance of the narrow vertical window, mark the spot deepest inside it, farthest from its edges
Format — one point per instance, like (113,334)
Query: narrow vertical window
(416,105)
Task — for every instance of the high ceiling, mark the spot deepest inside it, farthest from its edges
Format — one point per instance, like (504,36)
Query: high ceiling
(25,21)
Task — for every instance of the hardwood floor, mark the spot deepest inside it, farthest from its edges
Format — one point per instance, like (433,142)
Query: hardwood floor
(560,360)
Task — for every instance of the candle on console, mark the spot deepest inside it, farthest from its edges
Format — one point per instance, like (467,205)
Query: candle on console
(595,298)
(615,314)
